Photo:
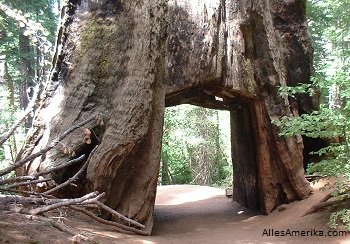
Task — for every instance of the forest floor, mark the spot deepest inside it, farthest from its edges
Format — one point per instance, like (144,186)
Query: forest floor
(187,215)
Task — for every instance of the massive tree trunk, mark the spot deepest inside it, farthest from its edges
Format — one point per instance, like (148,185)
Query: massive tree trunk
(127,60)
(242,51)
(112,64)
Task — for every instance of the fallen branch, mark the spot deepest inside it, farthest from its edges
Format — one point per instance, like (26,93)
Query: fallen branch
(48,200)
(25,160)
(45,202)
(111,223)
(323,203)
(62,166)
(70,180)
(36,175)
(17,179)
(67,202)
(91,200)
(29,183)
(46,149)
(115,213)
(97,198)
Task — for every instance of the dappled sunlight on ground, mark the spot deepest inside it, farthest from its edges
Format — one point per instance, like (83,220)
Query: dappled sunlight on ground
(148,242)
(320,184)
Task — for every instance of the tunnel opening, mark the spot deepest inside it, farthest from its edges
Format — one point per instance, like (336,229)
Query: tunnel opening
(196,147)
(208,144)
(242,144)
(209,161)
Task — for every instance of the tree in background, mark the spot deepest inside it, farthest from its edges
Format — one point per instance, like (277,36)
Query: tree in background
(27,33)
(329,23)
(196,147)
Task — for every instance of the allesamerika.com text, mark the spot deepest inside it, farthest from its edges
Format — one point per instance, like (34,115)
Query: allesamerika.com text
(307,233)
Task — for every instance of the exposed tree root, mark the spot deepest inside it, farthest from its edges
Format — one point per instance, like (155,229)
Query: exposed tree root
(323,203)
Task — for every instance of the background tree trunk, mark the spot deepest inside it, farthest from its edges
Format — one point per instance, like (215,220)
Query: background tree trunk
(28,72)
(166,176)
(127,59)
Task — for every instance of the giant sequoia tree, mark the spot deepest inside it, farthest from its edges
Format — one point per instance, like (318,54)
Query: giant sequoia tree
(121,62)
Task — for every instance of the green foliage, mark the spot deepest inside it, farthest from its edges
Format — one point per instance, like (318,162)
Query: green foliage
(325,123)
(34,19)
(196,146)
(329,26)
(341,216)
(333,125)
(300,88)
(2,155)
(174,148)
(329,23)
(27,33)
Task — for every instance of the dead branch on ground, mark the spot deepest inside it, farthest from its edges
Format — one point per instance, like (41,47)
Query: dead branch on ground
(115,213)
(120,227)
(34,204)
(46,172)
(66,183)
(30,182)
(49,207)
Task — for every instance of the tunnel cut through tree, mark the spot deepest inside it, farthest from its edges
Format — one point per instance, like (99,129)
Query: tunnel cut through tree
(127,60)
(196,147)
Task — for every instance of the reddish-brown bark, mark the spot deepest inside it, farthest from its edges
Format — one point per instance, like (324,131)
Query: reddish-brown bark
(128,60)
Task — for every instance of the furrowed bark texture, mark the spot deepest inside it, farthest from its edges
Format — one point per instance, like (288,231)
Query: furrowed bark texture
(242,51)
(112,63)
(127,60)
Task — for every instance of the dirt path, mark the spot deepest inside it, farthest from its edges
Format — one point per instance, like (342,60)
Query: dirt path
(217,219)
(186,215)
